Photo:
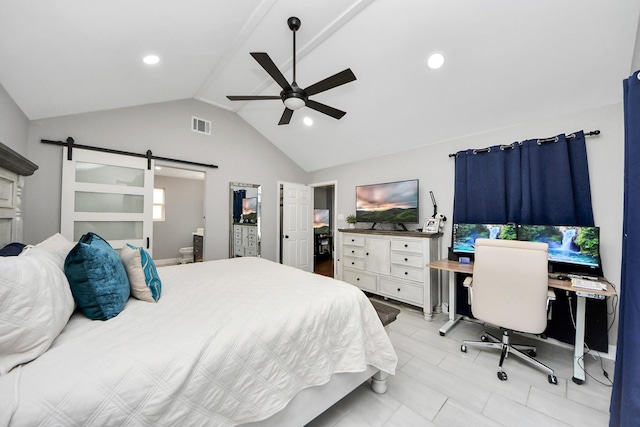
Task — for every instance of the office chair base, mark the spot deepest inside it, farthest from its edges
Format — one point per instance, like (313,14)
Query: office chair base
(524,352)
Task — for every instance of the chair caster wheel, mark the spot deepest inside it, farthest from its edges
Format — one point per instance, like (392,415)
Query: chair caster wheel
(553,380)
(531,353)
(463,348)
(502,376)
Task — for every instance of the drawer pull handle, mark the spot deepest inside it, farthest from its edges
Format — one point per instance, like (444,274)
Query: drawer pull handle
(406,273)
(398,289)
(406,259)
(353,252)
(367,253)
(357,279)
(353,262)
(406,246)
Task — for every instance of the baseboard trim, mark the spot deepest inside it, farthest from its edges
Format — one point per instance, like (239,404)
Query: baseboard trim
(165,262)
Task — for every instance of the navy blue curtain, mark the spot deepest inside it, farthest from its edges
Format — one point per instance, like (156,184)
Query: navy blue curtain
(625,397)
(238,195)
(530,182)
(544,182)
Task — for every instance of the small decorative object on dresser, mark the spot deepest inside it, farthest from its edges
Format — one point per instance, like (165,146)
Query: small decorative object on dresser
(351,220)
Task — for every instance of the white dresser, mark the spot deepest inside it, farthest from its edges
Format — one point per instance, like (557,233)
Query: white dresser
(245,240)
(391,264)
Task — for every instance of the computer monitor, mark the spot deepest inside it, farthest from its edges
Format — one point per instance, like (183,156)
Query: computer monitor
(465,235)
(572,249)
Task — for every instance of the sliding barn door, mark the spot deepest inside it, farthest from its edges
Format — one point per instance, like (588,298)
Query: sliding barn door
(296,226)
(108,194)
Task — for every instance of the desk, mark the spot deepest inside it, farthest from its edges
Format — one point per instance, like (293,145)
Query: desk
(578,352)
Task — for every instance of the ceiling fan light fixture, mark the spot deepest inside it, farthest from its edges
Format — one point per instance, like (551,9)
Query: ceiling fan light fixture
(294,103)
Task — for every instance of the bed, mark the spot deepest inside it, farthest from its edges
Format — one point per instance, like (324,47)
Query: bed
(243,341)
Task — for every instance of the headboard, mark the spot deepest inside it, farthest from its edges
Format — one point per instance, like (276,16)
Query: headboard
(13,168)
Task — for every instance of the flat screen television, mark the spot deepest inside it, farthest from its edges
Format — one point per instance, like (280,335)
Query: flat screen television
(250,209)
(465,235)
(391,202)
(572,249)
(321,221)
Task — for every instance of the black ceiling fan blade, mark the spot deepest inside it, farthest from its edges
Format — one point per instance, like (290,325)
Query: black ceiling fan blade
(252,98)
(265,61)
(286,117)
(329,111)
(336,80)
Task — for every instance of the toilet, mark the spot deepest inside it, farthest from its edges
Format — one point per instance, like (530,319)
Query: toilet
(186,255)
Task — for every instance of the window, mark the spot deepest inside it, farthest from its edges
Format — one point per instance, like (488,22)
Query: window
(158,204)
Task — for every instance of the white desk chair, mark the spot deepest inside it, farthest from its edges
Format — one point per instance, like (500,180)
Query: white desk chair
(509,290)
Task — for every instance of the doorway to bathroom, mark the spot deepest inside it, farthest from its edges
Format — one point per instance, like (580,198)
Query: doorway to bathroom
(183,214)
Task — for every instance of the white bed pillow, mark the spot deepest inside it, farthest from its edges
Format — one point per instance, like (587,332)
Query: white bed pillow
(143,275)
(35,305)
(55,247)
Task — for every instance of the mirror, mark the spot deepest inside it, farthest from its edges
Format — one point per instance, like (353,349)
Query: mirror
(244,219)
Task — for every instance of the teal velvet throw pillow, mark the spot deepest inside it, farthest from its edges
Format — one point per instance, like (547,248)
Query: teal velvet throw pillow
(98,279)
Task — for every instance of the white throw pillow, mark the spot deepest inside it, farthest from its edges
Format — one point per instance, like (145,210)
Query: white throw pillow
(35,305)
(143,275)
(55,247)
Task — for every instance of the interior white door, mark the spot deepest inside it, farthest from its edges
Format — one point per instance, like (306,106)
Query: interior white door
(297,230)
(108,194)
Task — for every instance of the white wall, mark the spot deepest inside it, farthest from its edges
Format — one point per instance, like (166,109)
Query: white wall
(241,153)
(14,125)
(435,170)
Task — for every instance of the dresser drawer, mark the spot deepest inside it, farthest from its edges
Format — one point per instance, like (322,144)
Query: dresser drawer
(353,240)
(407,260)
(250,252)
(406,245)
(251,231)
(354,251)
(407,273)
(354,263)
(359,279)
(402,291)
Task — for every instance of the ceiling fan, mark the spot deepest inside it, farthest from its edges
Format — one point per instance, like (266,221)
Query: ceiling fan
(292,95)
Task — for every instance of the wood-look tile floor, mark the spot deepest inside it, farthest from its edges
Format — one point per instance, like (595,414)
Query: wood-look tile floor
(437,385)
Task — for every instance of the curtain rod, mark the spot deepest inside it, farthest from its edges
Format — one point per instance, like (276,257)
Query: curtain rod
(70,144)
(540,141)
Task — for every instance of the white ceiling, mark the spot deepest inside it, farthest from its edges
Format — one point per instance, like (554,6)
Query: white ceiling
(507,63)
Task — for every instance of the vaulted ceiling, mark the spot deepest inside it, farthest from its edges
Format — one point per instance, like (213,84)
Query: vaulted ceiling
(506,63)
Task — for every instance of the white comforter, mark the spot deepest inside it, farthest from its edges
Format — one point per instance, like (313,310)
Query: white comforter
(229,342)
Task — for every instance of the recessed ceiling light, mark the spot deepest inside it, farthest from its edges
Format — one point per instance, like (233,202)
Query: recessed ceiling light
(151,59)
(308,121)
(435,61)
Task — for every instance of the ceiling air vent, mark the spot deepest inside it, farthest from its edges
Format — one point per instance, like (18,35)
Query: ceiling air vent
(200,125)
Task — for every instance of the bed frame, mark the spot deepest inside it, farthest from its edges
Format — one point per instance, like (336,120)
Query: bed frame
(13,168)
(313,401)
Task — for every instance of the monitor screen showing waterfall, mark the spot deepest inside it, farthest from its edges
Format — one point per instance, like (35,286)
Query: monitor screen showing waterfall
(465,235)
(572,245)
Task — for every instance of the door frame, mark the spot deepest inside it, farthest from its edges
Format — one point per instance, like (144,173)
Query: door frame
(334,216)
